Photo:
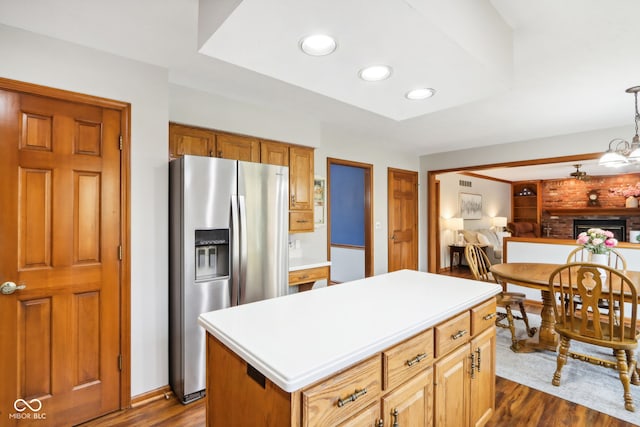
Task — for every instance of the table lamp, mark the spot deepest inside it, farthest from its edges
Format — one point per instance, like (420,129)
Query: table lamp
(499,222)
(457,224)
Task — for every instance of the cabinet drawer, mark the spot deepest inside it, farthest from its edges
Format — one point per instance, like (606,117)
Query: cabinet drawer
(301,221)
(342,395)
(407,359)
(483,316)
(308,275)
(452,333)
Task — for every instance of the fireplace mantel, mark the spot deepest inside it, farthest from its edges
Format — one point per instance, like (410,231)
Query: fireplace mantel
(594,212)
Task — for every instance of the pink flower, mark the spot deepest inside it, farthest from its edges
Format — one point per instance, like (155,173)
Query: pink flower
(610,243)
(582,238)
(597,241)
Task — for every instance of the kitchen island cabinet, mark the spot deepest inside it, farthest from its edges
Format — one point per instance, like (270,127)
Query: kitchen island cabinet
(362,353)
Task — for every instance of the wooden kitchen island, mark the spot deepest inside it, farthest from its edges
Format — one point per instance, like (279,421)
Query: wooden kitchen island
(407,347)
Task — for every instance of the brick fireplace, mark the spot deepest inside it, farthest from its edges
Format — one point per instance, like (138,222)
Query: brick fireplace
(566,200)
(617,226)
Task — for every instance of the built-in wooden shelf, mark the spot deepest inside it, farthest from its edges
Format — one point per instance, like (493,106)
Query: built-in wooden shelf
(594,211)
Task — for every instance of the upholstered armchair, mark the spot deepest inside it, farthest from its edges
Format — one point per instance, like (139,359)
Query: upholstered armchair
(487,238)
(524,229)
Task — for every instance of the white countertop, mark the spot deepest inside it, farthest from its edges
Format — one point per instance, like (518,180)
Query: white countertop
(298,339)
(302,263)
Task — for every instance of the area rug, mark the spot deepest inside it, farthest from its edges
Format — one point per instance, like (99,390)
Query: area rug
(596,387)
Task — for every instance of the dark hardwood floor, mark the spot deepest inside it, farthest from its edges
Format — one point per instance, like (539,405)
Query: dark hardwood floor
(516,405)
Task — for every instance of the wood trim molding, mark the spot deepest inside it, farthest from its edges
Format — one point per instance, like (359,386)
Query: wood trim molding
(159,393)
(433,222)
(125,199)
(490,178)
(593,212)
(368,207)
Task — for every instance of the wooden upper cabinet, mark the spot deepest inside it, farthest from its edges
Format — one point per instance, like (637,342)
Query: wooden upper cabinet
(274,153)
(300,178)
(190,140)
(238,147)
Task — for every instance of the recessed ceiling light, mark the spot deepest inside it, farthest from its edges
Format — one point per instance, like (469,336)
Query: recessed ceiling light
(318,45)
(422,93)
(375,73)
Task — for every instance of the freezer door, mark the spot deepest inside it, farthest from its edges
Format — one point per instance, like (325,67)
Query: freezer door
(201,190)
(264,258)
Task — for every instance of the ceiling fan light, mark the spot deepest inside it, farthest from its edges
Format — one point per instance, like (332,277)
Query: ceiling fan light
(318,45)
(375,73)
(612,159)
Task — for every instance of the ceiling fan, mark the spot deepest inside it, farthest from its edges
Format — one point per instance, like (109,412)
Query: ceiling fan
(578,174)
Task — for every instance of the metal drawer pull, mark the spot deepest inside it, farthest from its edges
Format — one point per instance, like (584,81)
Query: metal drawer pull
(478,353)
(489,316)
(473,365)
(416,359)
(459,334)
(352,397)
(395,418)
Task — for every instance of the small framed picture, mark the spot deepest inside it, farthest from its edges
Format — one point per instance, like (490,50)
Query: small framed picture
(318,200)
(470,206)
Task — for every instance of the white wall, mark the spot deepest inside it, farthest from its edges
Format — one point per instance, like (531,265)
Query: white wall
(346,264)
(496,201)
(595,141)
(35,59)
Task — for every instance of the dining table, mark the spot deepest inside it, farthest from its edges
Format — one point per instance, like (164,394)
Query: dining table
(536,276)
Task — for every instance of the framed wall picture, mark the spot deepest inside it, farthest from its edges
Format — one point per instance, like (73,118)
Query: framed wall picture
(318,200)
(470,206)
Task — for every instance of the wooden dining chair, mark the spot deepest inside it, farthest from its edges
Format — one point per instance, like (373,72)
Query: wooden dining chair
(614,260)
(589,324)
(479,264)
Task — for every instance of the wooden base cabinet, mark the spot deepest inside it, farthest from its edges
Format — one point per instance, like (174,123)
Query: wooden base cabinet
(442,376)
(465,383)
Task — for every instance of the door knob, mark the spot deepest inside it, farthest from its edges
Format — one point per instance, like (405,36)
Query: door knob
(8,288)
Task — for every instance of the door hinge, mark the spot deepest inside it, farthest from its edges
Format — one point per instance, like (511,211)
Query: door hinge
(120,252)
(120,362)
(120,142)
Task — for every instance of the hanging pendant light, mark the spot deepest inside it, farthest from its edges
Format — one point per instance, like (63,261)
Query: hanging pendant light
(620,151)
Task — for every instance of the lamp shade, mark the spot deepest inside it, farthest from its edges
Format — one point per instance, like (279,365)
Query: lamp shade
(500,221)
(456,224)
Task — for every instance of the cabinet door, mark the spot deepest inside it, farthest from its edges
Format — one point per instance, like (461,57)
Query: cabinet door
(274,153)
(368,417)
(483,380)
(238,147)
(300,178)
(411,403)
(189,140)
(452,389)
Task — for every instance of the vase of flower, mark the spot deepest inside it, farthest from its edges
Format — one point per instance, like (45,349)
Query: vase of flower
(599,259)
(631,202)
(599,243)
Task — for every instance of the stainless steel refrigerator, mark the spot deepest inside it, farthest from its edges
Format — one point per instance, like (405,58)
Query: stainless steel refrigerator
(227,246)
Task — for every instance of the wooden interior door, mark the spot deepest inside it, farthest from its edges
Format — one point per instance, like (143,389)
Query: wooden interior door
(60,226)
(403,219)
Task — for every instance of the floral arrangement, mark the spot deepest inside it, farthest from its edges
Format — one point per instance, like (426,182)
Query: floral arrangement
(628,191)
(597,241)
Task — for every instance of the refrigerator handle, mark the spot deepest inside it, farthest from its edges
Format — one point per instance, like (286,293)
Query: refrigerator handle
(235,251)
(243,247)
